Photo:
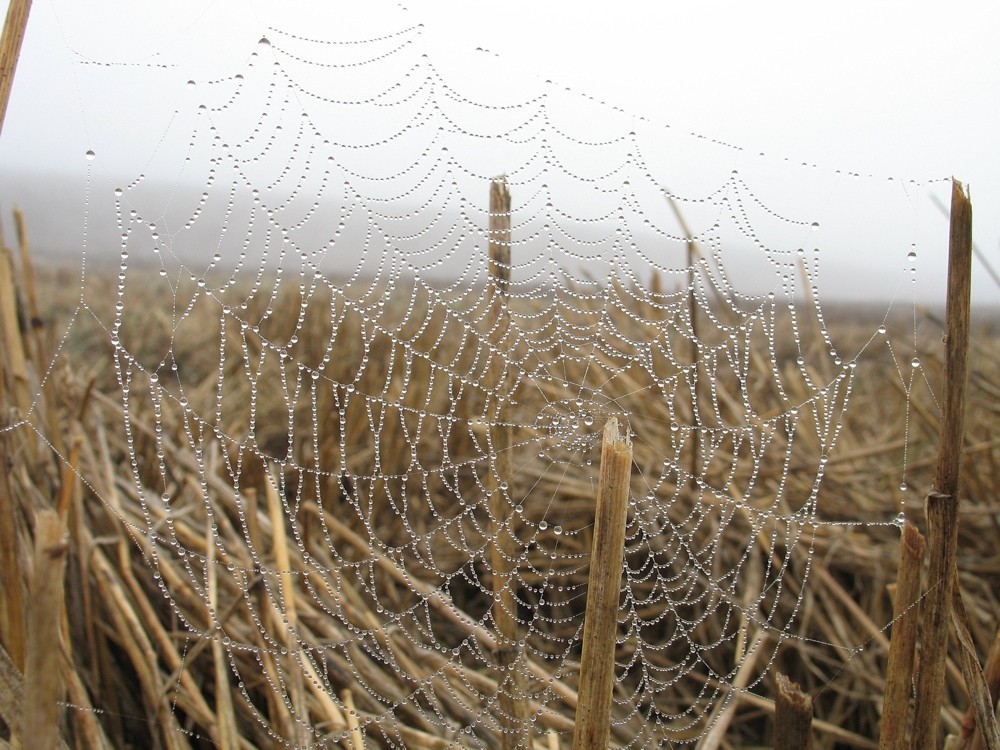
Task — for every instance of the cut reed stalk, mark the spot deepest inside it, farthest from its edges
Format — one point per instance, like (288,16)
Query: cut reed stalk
(600,628)
(69,478)
(505,547)
(722,716)
(942,501)
(980,696)
(693,254)
(227,735)
(12,605)
(991,671)
(30,289)
(43,688)
(899,670)
(792,717)
(10,49)
(357,738)
(14,361)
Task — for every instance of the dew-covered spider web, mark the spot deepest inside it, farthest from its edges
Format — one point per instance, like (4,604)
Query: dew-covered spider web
(362,444)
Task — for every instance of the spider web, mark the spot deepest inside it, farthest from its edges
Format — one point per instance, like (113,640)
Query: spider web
(342,358)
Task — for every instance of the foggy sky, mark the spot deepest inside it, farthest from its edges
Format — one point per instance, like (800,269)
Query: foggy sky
(902,90)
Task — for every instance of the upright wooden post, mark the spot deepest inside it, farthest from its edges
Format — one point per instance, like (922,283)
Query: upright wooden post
(505,548)
(600,628)
(10,49)
(942,501)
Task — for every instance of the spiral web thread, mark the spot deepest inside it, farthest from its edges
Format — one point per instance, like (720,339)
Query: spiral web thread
(351,384)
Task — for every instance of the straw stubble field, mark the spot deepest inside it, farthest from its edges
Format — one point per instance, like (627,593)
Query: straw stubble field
(131,674)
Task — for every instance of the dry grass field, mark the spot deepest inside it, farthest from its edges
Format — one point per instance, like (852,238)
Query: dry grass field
(195,637)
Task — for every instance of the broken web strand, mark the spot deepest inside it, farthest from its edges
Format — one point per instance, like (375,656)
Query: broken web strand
(592,325)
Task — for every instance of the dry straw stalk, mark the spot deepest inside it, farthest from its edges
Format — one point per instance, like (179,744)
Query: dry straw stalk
(600,628)
(942,501)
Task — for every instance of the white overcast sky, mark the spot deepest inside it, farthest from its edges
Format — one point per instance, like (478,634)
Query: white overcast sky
(906,89)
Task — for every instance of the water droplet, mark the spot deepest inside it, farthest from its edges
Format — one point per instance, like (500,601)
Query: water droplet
(915,362)
(264,42)
(911,256)
(588,420)
(900,519)
(814,226)
(91,155)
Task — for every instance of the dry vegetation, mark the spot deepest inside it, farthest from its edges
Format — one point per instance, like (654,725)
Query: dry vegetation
(137,674)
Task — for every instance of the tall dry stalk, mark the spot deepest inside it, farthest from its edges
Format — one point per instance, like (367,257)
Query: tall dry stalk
(693,254)
(10,49)
(899,670)
(600,625)
(974,736)
(12,608)
(505,547)
(43,688)
(942,501)
(792,717)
